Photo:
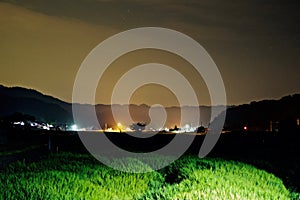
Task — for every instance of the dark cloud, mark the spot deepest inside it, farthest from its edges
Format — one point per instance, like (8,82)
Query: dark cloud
(244,19)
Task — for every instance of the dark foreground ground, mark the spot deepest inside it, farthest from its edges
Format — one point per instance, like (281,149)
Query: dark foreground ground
(277,153)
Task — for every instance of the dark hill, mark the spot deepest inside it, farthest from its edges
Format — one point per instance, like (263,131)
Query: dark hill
(265,115)
(31,102)
(50,109)
(256,115)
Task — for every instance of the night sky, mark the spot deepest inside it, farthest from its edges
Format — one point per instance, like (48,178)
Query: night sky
(254,43)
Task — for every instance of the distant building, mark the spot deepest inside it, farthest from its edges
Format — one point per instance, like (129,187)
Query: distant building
(201,129)
(274,126)
(138,126)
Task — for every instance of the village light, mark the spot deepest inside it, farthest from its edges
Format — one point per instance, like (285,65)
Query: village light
(120,126)
(74,127)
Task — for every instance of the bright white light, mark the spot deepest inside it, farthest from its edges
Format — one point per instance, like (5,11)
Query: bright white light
(33,124)
(109,129)
(74,127)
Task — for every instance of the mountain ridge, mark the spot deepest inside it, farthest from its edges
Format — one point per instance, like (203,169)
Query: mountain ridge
(32,102)
(51,109)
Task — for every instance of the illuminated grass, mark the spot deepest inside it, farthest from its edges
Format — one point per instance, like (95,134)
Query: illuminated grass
(219,179)
(71,176)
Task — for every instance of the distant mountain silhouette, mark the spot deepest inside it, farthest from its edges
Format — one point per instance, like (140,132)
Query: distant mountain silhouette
(49,109)
(265,115)
(256,115)
(28,101)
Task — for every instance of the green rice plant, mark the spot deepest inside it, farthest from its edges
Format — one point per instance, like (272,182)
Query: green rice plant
(218,179)
(79,176)
(70,176)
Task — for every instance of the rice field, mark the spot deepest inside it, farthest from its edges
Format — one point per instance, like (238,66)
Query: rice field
(80,176)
